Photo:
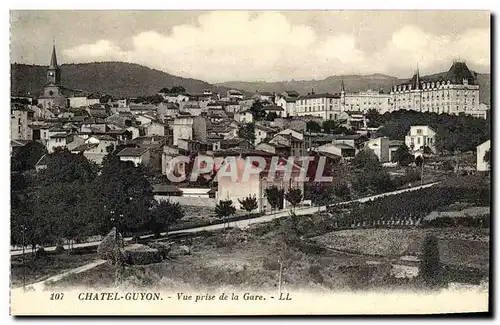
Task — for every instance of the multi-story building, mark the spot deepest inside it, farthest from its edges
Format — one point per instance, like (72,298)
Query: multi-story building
(419,138)
(20,117)
(454,92)
(380,147)
(189,127)
(364,101)
(326,106)
(287,100)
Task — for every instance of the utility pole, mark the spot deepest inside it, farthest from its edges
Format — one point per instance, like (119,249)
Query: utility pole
(422,173)
(23,229)
(280,278)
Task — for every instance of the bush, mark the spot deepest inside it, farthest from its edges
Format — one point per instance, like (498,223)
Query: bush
(430,265)
(315,273)
(60,249)
(138,254)
(270,264)
(41,252)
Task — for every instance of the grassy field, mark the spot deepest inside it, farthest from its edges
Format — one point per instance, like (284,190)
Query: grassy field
(41,268)
(249,259)
(458,246)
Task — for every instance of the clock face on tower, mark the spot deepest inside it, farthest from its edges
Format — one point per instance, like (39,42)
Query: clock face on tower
(51,74)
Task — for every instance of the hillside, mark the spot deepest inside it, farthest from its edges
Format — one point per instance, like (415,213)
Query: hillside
(118,79)
(352,83)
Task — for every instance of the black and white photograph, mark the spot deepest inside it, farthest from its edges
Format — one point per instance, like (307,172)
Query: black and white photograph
(231,162)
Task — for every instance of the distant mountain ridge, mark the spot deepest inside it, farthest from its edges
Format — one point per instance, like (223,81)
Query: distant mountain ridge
(121,79)
(118,79)
(352,83)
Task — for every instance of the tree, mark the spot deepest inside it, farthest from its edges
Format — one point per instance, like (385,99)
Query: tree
(374,118)
(321,194)
(155,99)
(28,155)
(178,90)
(162,216)
(365,159)
(164,90)
(63,166)
(224,209)
(126,194)
(271,116)
(274,196)
(105,99)
(294,196)
(370,177)
(342,191)
(312,126)
(403,156)
(247,132)
(419,161)
(430,265)
(486,157)
(257,110)
(329,126)
(249,203)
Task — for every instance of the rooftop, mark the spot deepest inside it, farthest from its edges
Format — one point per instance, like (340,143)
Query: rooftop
(132,152)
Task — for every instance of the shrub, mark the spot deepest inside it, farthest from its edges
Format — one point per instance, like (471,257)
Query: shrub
(41,252)
(315,273)
(60,249)
(270,264)
(430,265)
(138,254)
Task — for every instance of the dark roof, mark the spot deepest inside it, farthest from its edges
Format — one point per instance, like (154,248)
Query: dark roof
(273,108)
(165,188)
(84,147)
(292,93)
(104,137)
(324,95)
(133,152)
(59,135)
(396,143)
(456,74)
(18,143)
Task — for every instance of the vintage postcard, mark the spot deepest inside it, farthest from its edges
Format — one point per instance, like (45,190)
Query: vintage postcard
(250,162)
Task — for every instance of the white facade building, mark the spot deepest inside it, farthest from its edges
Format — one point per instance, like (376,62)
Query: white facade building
(480,152)
(453,93)
(325,106)
(419,137)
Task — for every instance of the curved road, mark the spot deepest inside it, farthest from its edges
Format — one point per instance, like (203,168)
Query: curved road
(246,223)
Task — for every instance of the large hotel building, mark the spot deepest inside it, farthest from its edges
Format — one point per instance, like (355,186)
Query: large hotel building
(453,92)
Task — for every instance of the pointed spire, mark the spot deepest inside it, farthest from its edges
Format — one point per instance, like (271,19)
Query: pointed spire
(342,88)
(53,59)
(417,81)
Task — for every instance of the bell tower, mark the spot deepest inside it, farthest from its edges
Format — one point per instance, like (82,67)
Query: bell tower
(53,72)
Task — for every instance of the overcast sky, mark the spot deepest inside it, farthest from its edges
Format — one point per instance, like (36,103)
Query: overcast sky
(265,46)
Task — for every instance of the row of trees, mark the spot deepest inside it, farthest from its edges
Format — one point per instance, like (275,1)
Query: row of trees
(72,199)
(173,90)
(273,194)
(328,126)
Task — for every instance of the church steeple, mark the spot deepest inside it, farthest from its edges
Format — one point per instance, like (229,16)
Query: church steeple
(53,72)
(53,59)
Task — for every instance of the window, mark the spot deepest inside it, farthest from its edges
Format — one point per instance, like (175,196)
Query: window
(419,131)
(418,140)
